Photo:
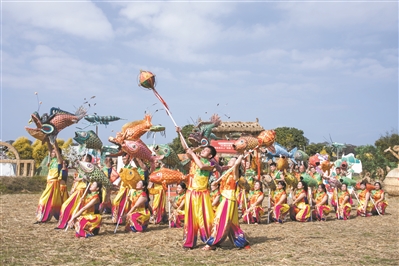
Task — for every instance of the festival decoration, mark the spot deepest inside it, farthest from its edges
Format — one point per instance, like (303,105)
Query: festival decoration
(301,156)
(93,173)
(51,124)
(279,150)
(202,132)
(138,149)
(104,120)
(245,143)
(308,180)
(88,139)
(165,176)
(129,177)
(266,139)
(169,157)
(147,80)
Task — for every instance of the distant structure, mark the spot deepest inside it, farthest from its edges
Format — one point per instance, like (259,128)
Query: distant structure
(391,181)
(14,167)
(233,130)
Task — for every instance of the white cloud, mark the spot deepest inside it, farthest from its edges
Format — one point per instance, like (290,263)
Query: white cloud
(370,16)
(83,19)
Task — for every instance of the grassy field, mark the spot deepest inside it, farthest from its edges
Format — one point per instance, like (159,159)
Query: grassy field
(358,241)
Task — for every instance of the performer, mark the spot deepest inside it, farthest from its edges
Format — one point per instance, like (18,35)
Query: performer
(106,205)
(198,208)
(158,201)
(255,210)
(365,206)
(279,201)
(122,196)
(63,181)
(226,223)
(378,195)
(275,173)
(87,220)
(300,209)
(50,200)
(343,203)
(320,200)
(215,196)
(302,170)
(177,217)
(69,206)
(315,175)
(139,215)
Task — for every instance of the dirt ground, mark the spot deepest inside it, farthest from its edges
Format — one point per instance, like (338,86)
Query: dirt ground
(358,241)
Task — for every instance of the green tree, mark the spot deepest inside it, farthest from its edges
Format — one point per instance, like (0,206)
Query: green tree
(314,148)
(176,144)
(40,151)
(291,137)
(389,140)
(24,147)
(371,159)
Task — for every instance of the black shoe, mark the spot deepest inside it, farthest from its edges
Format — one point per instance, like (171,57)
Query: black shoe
(37,222)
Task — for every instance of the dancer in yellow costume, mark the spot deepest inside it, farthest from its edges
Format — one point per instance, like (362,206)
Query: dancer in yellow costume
(73,201)
(279,201)
(365,206)
(198,208)
(300,208)
(138,217)
(378,195)
(50,200)
(226,223)
(320,199)
(87,220)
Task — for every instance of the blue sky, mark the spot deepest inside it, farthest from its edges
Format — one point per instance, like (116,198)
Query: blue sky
(325,67)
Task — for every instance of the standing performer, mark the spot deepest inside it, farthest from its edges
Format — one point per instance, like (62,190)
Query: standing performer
(279,200)
(378,195)
(122,196)
(63,181)
(215,196)
(177,217)
(255,210)
(198,209)
(139,215)
(343,203)
(88,219)
(50,200)
(159,201)
(226,223)
(365,206)
(300,209)
(106,205)
(320,200)
(69,206)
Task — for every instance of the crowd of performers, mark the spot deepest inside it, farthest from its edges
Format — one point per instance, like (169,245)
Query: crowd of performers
(209,204)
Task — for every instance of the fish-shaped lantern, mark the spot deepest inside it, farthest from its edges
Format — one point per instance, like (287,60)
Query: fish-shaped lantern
(165,176)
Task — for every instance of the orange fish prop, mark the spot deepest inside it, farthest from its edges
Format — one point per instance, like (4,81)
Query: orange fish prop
(165,177)
(326,166)
(245,143)
(266,139)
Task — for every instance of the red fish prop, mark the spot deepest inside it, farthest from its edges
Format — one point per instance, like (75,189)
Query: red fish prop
(138,149)
(314,160)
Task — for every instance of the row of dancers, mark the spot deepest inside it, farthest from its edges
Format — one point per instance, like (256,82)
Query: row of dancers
(212,212)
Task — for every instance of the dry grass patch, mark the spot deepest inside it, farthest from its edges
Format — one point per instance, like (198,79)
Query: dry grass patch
(359,241)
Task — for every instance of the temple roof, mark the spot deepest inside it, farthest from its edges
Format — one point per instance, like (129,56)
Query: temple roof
(239,126)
